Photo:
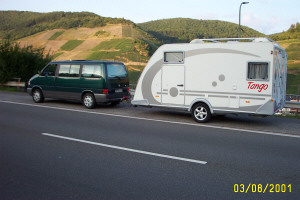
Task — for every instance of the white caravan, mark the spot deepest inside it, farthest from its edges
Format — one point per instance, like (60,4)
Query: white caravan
(216,76)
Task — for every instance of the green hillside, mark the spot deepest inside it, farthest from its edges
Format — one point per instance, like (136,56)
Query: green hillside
(19,24)
(292,33)
(184,30)
(290,40)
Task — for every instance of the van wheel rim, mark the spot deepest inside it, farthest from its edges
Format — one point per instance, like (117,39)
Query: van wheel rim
(36,96)
(200,113)
(88,101)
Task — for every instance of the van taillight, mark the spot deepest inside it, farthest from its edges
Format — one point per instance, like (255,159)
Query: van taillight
(128,89)
(105,91)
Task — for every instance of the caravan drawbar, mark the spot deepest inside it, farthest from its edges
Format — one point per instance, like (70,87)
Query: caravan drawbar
(216,76)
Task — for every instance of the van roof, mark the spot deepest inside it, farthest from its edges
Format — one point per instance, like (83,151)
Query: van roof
(84,62)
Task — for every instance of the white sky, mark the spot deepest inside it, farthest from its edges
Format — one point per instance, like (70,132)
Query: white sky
(266,16)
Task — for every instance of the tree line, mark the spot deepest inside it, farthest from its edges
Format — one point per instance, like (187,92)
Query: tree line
(292,33)
(184,30)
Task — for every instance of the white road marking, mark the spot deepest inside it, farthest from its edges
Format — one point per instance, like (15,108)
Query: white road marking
(158,120)
(127,149)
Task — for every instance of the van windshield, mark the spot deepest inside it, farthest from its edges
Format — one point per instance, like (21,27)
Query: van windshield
(115,70)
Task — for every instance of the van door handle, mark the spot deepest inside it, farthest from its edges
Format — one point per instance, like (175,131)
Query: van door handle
(181,85)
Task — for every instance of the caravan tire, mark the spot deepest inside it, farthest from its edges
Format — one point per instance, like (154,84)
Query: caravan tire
(201,113)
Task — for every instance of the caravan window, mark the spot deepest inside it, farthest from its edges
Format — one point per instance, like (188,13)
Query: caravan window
(258,71)
(173,57)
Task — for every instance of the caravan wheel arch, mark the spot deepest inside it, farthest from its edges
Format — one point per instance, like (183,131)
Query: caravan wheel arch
(201,101)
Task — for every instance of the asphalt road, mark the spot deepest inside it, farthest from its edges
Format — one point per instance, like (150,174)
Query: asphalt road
(59,150)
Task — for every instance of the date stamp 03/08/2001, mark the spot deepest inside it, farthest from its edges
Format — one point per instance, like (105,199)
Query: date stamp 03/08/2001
(262,188)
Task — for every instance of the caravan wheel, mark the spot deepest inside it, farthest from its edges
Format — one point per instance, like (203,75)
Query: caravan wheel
(201,113)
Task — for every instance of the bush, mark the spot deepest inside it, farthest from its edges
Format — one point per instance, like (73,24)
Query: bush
(20,62)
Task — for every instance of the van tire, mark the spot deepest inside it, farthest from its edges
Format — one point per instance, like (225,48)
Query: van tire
(89,101)
(37,96)
(201,113)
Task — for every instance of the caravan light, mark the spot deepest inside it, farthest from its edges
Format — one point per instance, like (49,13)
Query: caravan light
(271,52)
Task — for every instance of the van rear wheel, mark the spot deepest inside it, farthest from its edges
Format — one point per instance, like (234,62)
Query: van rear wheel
(88,100)
(201,113)
(37,96)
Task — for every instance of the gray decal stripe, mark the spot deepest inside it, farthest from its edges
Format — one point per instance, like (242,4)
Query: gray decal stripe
(161,93)
(252,98)
(241,108)
(147,82)
(208,92)
(198,95)
(172,104)
(218,96)
(165,90)
(217,50)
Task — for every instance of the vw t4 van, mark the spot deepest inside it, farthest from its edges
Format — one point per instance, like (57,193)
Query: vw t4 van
(90,82)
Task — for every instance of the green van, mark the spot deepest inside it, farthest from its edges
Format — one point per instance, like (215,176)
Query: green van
(90,82)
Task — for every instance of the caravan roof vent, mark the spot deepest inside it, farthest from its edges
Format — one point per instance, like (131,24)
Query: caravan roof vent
(197,41)
(261,40)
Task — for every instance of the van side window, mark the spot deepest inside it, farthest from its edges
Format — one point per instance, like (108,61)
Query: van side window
(49,70)
(69,70)
(173,57)
(74,71)
(64,70)
(258,71)
(92,71)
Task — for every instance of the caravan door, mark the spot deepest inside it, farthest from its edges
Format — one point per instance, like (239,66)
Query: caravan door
(173,84)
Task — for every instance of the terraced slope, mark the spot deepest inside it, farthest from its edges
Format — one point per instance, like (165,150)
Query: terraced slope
(116,42)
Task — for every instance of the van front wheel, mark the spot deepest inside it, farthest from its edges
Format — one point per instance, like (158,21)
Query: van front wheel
(89,100)
(201,113)
(37,96)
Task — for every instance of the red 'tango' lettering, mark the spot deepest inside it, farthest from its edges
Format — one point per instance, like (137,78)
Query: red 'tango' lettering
(249,84)
(259,87)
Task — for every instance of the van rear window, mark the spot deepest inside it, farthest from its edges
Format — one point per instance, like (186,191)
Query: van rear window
(116,70)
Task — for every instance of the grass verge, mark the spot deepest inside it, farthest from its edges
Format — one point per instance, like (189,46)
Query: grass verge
(8,89)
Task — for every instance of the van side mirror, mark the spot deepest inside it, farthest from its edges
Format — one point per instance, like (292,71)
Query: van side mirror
(39,73)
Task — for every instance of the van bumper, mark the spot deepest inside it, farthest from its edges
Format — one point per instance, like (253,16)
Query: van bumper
(106,98)
(29,90)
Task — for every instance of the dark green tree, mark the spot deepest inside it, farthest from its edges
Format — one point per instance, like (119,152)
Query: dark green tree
(20,62)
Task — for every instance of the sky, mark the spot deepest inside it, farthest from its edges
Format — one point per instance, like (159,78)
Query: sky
(266,16)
